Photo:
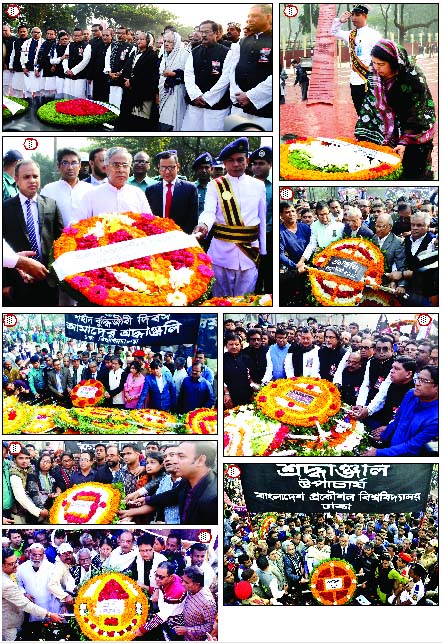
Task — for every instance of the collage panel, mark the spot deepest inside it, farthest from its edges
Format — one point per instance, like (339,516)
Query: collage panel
(330,534)
(358,98)
(118,481)
(105,584)
(110,374)
(359,246)
(331,384)
(137,221)
(138,68)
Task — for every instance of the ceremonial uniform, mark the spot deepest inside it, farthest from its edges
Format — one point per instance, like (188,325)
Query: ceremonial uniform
(17,82)
(360,43)
(79,57)
(116,57)
(202,71)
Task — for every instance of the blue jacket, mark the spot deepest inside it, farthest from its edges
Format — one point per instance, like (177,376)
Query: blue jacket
(364,231)
(415,424)
(164,400)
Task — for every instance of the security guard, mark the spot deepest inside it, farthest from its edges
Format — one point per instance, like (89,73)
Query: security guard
(202,167)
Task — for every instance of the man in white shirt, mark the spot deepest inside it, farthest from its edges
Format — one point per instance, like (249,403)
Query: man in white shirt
(325,230)
(68,190)
(360,41)
(78,55)
(33,577)
(235,207)
(115,195)
(96,164)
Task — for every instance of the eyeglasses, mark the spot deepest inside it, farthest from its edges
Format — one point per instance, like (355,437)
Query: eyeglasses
(166,168)
(118,165)
(206,33)
(73,164)
(383,349)
(425,380)
(160,576)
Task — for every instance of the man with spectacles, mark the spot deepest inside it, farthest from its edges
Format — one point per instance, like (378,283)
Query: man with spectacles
(68,190)
(392,247)
(171,197)
(377,370)
(416,421)
(115,195)
(141,166)
(28,58)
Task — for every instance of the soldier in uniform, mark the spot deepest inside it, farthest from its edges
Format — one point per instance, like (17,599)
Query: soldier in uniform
(261,163)
(116,57)
(77,57)
(202,72)
(235,207)
(202,167)
(15,63)
(360,41)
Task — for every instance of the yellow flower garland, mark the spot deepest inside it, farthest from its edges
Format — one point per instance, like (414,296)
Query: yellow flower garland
(63,500)
(154,419)
(274,402)
(344,579)
(97,624)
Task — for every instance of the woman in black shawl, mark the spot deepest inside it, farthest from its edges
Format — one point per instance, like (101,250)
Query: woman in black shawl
(398,110)
(139,110)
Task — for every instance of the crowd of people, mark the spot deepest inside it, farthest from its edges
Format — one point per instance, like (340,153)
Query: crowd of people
(168,83)
(166,482)
(46,369)
(42,571)
(194,206)
(407,231)
(395,556)
(388,380)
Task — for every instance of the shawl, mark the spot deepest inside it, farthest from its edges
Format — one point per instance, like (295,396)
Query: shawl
(122,561)
(172,104)
(400,110)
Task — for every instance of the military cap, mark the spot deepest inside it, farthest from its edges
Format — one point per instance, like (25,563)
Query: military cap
(205,157)
(238,146)
(264,154)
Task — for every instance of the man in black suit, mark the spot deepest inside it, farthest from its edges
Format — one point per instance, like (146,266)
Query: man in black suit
(31,223)
(172,197)
(90,371)
(354,226)
(59,383)
(344,550)
(392,247)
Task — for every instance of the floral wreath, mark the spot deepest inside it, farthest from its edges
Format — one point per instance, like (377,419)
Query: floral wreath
(266,521)
(329,288)
(299,401)
(154,419)
(174,278)
(75,113)
(240,300)
(87,393)
(383,172)
(202,421)
(102,593)
(333,582)
(8,115)
(92,493)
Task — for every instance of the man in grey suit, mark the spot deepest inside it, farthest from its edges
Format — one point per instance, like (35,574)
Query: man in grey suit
(60,383)
(392,247)
(32,223)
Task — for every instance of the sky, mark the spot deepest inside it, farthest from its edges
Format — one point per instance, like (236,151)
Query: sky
(223,13)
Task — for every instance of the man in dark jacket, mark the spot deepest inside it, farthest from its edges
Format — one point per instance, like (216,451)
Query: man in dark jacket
(344,550)
(354,226)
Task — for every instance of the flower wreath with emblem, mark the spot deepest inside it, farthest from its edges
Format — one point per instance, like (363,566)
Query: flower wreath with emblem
(87,393)
(333,582)
(111,606)
(86,503)
(202,421)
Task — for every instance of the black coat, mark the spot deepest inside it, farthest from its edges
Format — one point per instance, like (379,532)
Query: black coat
(184,210)
(203,509)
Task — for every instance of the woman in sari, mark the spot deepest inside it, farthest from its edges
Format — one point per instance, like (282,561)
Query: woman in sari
(172,91)
(398,110)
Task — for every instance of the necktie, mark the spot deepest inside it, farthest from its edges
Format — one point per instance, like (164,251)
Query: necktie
(168,200)
(74,377)
(31,229)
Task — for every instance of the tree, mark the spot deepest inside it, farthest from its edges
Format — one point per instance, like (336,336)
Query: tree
(47,171)
(385,15)
(399,21)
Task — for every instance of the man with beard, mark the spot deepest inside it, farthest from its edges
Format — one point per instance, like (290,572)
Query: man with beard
(33,577)
(15,63)
(76,60)
(8,44)
(423,354)
(302,359)
(144,566)
(202,71)
(44,69)
(376,371)
(61,583)
(116,57)
(97,170)
(257,354)
(84,570)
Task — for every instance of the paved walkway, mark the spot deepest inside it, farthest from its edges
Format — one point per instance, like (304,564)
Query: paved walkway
(339,119)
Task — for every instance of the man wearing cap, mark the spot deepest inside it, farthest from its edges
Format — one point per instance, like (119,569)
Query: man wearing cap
(141,165)
(235,208)
(403,563)
(61,583)
(10,160)
(261,162)
(203,69)
(31,223)
(218,168)
(172,197)
(360,41)
(202,167)
(368,566)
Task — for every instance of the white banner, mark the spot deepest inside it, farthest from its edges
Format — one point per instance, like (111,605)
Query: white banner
(80,261)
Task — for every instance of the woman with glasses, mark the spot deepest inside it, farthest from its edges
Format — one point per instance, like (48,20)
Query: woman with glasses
(138,106)
(331,354)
